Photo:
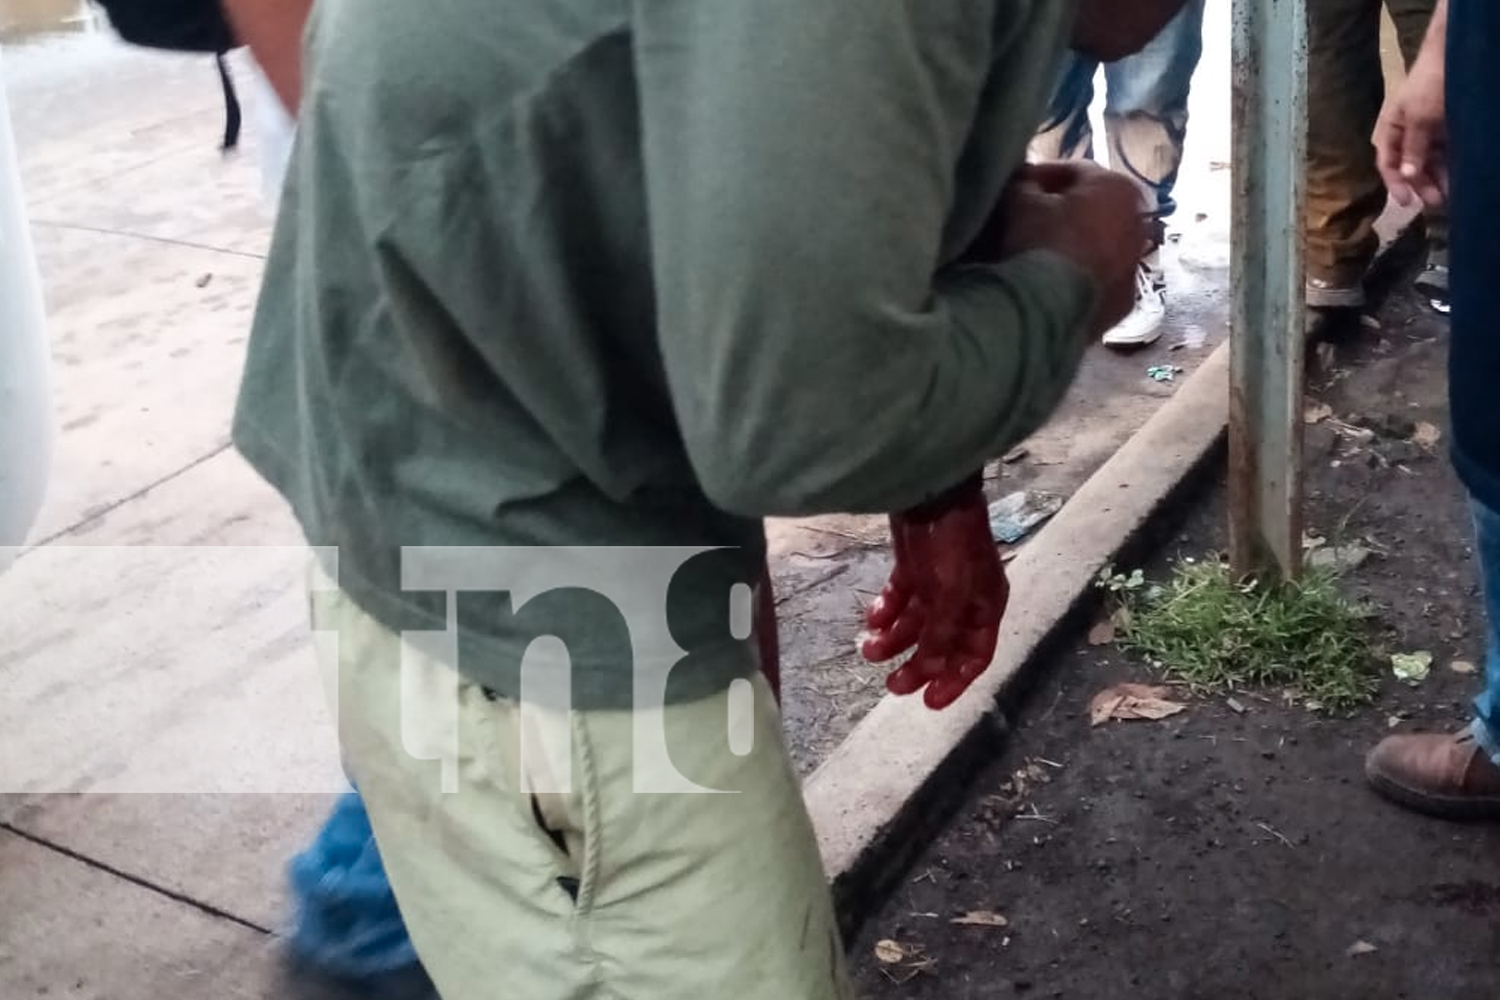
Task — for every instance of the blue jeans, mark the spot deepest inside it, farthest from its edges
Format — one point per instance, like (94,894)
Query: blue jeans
(346,923)
(1487,706)
(1146,108)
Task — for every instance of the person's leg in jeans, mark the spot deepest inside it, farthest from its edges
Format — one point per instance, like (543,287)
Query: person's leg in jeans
(1066,132)
(1145,120)
(346,925)
(1486,726)
(1344,191)
(1146,107)
(1411,18)
(1455,776)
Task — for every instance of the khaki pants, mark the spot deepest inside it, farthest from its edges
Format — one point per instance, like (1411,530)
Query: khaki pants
(544,874)
(1346,88)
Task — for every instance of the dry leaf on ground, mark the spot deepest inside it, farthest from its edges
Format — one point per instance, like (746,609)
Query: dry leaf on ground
(981,918)
(1102,634)
(1361,948)
(901,963)
(1316,413)
(1426,435)
(1133,701)
(1462,667)
(1338,559)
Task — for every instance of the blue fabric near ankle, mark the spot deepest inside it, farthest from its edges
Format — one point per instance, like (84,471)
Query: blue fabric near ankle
(346,921)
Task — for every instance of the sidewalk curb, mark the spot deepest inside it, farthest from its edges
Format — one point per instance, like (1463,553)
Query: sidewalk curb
(886,789)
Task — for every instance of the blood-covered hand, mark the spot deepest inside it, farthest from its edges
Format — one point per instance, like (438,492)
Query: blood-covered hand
(946,596)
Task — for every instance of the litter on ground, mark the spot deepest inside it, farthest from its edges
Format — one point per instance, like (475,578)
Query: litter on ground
(1411,668)
(1014,517)
(1125,702)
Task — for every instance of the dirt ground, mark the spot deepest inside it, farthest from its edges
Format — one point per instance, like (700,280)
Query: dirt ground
(1224,855)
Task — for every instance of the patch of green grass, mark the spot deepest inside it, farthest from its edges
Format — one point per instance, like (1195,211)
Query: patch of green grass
(1211,633)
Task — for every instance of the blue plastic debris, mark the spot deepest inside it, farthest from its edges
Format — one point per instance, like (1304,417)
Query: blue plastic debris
(347,924)
(1163,373)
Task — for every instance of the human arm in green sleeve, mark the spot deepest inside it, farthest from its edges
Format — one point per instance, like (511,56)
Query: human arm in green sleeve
(800,162)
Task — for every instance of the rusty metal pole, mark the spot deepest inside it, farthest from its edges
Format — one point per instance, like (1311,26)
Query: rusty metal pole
(1267,280)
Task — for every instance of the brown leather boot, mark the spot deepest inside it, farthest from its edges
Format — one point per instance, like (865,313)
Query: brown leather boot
(1445,776)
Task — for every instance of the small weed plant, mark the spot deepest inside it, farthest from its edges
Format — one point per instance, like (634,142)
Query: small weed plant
(1214,634)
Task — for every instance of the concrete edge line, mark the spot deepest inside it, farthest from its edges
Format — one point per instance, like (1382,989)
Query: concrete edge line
(868,799)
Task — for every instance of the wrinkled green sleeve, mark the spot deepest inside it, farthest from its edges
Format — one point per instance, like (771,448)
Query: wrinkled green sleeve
(800,162)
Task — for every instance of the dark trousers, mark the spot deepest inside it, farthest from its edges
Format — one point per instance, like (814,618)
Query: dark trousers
(1346,87)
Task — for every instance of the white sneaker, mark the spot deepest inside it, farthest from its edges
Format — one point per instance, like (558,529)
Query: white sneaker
(1143,325)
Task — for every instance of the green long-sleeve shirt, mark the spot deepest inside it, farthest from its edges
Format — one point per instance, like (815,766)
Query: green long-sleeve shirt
(637,273)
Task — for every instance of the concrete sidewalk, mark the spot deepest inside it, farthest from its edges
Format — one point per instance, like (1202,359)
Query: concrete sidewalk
(164,738)
(141,649)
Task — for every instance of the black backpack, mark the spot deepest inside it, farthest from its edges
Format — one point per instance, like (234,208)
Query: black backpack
(182,26)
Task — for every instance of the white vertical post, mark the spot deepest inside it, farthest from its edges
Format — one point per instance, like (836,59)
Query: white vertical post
(25,407)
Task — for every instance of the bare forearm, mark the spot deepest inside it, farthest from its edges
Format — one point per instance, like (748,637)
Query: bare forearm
(1435,44)
(273,30)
